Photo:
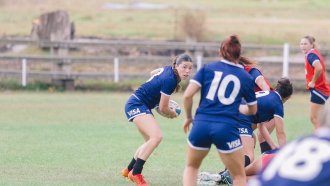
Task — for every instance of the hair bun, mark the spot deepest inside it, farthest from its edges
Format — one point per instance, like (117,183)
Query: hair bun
(234,39)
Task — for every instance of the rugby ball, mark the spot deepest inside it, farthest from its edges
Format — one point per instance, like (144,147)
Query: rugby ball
(173,105)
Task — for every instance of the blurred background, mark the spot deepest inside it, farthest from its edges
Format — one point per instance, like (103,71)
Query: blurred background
(68,66)
(108,44)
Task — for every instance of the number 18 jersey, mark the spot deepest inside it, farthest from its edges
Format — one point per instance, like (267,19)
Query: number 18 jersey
(303,162)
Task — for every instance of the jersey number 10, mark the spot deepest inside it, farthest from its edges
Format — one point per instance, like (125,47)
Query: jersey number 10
(223,85)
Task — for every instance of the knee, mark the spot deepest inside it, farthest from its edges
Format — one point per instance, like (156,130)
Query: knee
(155,140)
(193,164)
(313,119)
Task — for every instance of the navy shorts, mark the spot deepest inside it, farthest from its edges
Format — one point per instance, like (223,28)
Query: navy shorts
(245,126)
(317,97)
(245,131)
(224,136)
(134,107)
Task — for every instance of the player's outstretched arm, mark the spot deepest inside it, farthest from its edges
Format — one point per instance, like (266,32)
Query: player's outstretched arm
(188,103)
(280,133)
(265,134)
(262,84)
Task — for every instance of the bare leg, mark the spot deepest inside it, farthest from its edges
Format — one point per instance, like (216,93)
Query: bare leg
(254,140)
(193,162)
(315,109)
(270,125)
(248,146)
(138,150)
(151,133)
(234,163)
(253,168)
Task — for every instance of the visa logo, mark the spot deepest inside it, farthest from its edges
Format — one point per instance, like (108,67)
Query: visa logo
(234,144)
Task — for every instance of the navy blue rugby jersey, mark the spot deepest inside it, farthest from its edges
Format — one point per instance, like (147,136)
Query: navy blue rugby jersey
(163,82)
(223,85)
(303,162)
(269,105)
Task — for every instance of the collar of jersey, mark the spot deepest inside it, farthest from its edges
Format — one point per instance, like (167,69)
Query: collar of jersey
(278,95)
(230,63)
(309,51)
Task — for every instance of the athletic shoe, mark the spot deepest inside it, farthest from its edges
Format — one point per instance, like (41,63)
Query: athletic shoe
(206,176)
(125,172)
(130,174)
(226,178)
(221,172)
(137,179)
(206,182)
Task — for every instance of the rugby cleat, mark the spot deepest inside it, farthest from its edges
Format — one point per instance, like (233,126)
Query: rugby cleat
(137,179)
(226,179)
(206,176)
(221,172)
(125,172)
(206,182)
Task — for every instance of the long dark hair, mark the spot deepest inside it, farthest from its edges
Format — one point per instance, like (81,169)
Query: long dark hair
(284,87)
(246,61)
(177,61)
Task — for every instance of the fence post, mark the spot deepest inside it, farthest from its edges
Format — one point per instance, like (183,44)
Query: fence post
(285,72)
(199,61)
(24,72)
(116,70)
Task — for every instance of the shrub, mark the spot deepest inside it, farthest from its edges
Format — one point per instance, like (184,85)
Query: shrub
(193,25)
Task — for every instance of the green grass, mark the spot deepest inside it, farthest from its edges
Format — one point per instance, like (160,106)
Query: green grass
(84,139)
(256,21)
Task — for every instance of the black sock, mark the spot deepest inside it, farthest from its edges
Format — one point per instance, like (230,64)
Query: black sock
(138,166)
(264,146)
(247,160)
(131,164)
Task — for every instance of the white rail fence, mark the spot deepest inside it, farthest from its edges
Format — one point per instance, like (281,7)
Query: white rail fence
(285,62)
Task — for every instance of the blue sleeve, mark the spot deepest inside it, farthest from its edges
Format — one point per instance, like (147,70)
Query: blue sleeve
(278,110)
(311,57)
(248,91)
(168,86)
(255,73)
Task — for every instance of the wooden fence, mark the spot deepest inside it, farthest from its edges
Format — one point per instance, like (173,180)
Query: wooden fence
(287,61)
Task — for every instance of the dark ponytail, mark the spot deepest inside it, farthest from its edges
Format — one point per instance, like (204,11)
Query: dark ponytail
(284,87)
(177,61)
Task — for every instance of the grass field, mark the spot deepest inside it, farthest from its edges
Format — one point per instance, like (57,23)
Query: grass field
(84,139)
(257,21)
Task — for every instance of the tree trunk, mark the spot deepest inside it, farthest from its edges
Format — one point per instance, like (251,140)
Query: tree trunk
(53,26)
(56,26)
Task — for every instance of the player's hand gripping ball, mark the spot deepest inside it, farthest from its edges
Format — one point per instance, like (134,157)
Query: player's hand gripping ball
(173,106)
